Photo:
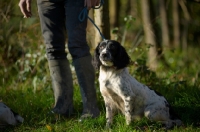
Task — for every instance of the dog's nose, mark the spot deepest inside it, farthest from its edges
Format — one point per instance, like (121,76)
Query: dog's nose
(104,55)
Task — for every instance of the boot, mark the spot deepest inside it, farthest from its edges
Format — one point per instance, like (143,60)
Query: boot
(62,86)
(86,77)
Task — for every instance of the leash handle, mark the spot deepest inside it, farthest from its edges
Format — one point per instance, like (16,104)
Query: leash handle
(84,13)
(101,3)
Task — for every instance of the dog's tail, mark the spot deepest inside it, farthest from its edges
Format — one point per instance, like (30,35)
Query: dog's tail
(171,123)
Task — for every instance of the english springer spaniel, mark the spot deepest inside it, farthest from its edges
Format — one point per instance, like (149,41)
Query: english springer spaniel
(123,92)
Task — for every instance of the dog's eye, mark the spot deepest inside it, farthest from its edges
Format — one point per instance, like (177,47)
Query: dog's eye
(102,46)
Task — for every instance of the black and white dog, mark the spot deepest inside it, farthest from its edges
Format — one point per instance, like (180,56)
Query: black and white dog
(123,92)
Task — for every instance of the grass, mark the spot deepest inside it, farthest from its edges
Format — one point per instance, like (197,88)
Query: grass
(35,105)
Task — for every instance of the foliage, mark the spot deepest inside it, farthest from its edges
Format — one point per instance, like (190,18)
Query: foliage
(22,49)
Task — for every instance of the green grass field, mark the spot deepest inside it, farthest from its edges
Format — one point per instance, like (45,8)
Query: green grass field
(34,107)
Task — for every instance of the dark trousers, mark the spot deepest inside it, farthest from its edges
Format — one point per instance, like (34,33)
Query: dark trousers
(57,17)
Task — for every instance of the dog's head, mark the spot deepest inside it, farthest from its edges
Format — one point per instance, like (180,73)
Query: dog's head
(110,53)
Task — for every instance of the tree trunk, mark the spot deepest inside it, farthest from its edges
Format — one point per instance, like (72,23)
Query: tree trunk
(128,7)
(101,18)
(164,23)
(176,29)
(117,12)
(149,35)
(186,24)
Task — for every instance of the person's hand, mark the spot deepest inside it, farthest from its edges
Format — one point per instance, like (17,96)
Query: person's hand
(91,3)
(25,6)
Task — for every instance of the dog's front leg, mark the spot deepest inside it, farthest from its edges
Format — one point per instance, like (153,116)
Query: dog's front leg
(109,113)
(128,109)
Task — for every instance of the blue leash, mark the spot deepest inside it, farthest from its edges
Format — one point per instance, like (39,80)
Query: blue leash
(84,13)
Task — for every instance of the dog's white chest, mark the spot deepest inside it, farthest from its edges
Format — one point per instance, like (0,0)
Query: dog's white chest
(108,78)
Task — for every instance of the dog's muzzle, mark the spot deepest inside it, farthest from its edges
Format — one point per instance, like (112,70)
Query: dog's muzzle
(106,56)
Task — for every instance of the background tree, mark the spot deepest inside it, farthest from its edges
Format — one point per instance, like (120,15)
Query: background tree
(102,20)
(149,35)
(186,22)
(164,23)
(176,23)
(117,9)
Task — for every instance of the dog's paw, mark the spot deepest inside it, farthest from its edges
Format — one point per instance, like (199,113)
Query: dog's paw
(108,125)
(128,122)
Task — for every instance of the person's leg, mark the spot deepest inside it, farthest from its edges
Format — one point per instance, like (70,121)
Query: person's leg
(52,19)
(79,50)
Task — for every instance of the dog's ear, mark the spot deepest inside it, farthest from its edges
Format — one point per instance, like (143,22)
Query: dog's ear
(96,61)
(123,59)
